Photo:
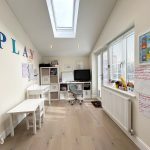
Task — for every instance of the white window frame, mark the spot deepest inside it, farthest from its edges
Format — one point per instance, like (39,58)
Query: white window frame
(66,32)
(122,37)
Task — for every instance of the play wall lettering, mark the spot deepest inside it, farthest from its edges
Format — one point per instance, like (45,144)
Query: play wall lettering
(27,53)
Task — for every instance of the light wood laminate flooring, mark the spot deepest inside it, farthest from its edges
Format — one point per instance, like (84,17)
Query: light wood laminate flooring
(69,127)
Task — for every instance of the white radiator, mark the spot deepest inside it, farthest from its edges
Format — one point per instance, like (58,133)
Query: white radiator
(118,107)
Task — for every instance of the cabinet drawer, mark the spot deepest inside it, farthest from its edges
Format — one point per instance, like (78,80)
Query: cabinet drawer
(86,94)
(45,80)
(54,87)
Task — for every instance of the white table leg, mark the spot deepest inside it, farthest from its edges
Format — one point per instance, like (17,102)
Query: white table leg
(27,123)
(11,124)
(42,95)
(49,97)
(43,109)
(40,121)
(34,123)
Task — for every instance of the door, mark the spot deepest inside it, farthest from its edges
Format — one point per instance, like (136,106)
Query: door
(99,75)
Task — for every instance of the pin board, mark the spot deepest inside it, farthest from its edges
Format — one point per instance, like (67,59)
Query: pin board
(67,76)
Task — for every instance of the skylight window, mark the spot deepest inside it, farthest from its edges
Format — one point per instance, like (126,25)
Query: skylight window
(63,15)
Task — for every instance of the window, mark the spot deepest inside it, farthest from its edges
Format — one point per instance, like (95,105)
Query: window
(130,58)
(121,59)
(105,68)
(63,13)
(99,74)
(63,16)
(117,60)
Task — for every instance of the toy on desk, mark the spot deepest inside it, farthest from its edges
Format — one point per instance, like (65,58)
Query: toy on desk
(118,84)
(124,83)
(121,84)
(130,86)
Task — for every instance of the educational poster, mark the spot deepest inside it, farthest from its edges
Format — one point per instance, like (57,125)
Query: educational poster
(31,72)
(25,72)
(142,72)
(142,87)
(144,104)
(144,46)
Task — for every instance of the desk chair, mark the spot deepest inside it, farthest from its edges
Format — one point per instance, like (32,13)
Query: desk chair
(76,93)
(39,117)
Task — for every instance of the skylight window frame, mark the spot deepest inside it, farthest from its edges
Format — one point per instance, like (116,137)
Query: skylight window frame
(62,28)
(63,32)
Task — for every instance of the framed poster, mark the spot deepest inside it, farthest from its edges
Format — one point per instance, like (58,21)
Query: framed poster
(144,47)
(25,70)
(31,72)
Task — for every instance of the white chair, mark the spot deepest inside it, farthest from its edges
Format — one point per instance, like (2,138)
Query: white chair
(39,117)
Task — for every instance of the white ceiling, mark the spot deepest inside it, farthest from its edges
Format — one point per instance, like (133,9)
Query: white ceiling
(34,17)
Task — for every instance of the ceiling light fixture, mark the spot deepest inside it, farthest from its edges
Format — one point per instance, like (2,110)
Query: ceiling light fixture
(51,46)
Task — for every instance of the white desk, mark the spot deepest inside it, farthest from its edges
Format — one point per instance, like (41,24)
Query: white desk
(27,106)
(86,92)
(38,90)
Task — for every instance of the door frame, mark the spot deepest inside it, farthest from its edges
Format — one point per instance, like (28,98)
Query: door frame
(100,52)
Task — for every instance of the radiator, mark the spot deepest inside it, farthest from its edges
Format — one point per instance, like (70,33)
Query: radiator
(118,107)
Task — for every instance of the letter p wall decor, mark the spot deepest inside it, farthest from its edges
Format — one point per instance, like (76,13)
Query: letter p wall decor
(2,39)
(27,53)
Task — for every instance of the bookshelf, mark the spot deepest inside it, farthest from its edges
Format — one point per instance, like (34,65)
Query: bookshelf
(50,76)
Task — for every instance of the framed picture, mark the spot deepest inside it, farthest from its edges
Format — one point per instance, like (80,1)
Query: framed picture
(31,72)
(28,71)
(25,70)
(144,48)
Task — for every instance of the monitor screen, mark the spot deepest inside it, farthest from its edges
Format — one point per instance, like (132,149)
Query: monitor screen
(82,75)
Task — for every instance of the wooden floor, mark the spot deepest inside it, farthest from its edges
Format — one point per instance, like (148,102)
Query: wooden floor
(71,128)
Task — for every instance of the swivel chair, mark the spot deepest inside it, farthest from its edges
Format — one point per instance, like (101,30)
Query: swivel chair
(76,93)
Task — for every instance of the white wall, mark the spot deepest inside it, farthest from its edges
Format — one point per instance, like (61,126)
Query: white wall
(126,14)
(69,63)
(12,85)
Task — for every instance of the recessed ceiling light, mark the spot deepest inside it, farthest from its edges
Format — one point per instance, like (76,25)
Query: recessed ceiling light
(51,46)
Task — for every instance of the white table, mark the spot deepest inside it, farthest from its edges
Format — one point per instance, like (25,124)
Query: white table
(27,106)
(40,90)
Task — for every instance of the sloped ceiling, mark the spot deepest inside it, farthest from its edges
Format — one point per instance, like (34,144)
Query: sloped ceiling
(34,17)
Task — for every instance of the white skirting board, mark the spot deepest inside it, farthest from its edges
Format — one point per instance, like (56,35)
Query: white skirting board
(98,98)
(142,145)
(134,138)
(7,131)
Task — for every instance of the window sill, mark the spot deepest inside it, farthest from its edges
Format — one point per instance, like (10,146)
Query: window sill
(126,93)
